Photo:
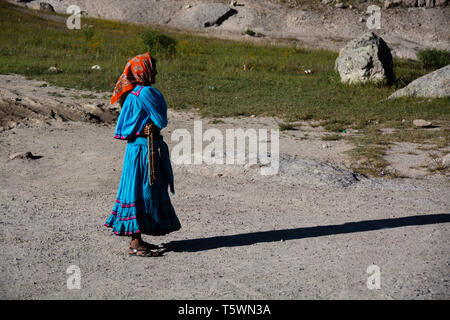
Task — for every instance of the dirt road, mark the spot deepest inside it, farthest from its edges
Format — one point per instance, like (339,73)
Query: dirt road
(310,232)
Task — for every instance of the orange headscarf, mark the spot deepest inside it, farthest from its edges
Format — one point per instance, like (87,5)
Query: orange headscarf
(137,71)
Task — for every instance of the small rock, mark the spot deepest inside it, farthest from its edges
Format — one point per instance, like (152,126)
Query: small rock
(339,5)
(96,67)
(254,166)
(42,6)
(188,6)
(54,69)
(21,155)
(233,3)
(446,160)
(421,123)
(362,20)
(388,4)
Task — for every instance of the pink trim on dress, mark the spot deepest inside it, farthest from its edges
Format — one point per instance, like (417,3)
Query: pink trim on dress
(126,219)
(137,92)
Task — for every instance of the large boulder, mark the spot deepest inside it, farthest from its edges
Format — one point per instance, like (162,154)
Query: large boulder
(365,59)
(434,85)
(42,6)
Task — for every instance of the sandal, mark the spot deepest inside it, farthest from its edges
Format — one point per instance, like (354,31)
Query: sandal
(150,246)
(142,253)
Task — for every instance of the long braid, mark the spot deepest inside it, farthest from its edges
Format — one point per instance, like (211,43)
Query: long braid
(151,156)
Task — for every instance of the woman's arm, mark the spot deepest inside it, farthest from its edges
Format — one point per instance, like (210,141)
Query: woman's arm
(154,104)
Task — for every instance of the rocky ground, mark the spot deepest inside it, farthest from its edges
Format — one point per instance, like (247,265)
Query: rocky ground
(310,231)
(310,24)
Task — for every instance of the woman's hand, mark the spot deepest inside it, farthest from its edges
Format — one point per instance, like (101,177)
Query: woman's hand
(147,129)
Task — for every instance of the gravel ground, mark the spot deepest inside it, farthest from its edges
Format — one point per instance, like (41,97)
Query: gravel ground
(309,232)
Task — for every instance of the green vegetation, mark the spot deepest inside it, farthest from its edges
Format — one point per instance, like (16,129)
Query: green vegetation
(434,59)
(218,78)
(372,145)
(438,165)
(250,32)
(286,126)
(88,96)
(274,85)
(158,43)
(56,94)
(332,137)
(216,121)
(88,32)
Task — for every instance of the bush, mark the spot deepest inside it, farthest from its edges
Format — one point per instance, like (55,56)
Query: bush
(286,126)
(88,31)
(250,32)
(434,59)
(159,43)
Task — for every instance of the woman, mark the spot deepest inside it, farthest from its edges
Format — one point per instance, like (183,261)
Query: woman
(142,205)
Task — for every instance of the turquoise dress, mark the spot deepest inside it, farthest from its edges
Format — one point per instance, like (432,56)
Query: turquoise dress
(139,207)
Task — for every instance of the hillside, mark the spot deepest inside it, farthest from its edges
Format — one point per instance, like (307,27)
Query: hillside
(317,24)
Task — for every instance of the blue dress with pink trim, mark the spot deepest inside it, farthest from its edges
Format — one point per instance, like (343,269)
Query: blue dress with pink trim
(139,207)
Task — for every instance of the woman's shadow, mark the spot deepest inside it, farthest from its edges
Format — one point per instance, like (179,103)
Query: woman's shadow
(245,239)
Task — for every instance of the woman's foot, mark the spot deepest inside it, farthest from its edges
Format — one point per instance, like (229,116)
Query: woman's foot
(138,247)
(142,253)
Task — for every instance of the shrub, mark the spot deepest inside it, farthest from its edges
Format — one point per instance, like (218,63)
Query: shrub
(286,126)
(159,43)
(250,32)
(434,59)
(88,31)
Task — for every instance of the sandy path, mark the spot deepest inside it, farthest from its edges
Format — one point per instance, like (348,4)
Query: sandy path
(243,235)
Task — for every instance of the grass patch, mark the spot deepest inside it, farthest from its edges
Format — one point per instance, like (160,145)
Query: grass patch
(275,85)
(433,58)
(368,159)
(332,137)
(438,164)
(88,96)
(159,43)
(56,94)
(286,126)
(216,121)
(370,148)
